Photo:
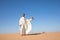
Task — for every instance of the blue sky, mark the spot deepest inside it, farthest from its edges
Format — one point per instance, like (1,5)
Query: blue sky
(46,15)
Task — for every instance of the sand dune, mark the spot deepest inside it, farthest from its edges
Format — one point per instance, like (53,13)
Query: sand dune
(34,36)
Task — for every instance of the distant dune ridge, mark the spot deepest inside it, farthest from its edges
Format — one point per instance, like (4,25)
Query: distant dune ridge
(34,36)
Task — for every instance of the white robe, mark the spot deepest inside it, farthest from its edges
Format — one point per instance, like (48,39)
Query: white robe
(22,23)
(29,25)
(26,23)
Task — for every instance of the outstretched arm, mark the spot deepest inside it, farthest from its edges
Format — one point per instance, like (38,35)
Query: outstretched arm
(31,18)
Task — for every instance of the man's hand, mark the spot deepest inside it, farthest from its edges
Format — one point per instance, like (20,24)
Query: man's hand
(32,17)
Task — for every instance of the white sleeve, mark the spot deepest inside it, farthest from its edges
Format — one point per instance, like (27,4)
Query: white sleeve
(30,19)
(20,22)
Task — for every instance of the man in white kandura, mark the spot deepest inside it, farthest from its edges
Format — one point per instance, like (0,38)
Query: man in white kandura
(28,25)
(22,24)
(25,25)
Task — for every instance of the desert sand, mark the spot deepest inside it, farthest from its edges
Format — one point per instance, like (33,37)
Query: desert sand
(34,36)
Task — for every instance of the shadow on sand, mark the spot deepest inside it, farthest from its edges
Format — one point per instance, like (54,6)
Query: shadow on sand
(33,34)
